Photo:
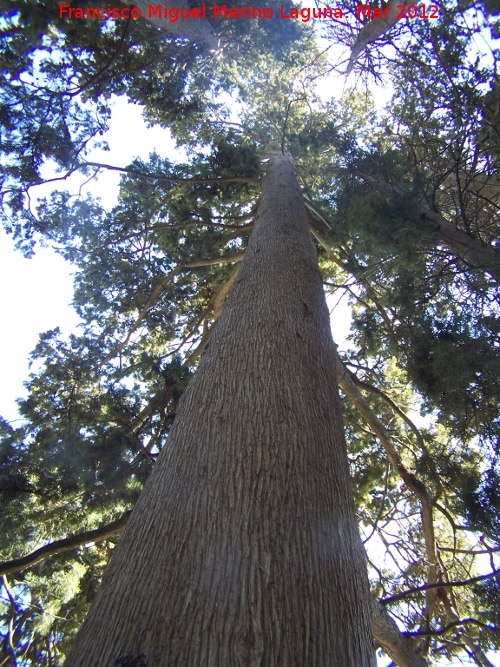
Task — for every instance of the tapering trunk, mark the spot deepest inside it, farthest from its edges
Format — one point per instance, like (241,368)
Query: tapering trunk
(243,548)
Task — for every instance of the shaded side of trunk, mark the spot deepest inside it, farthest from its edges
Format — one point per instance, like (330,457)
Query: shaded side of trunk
(243,548)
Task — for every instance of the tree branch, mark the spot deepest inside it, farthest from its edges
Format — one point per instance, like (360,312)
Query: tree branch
(19,564)
(470,249)
(388,636)
(357,277)
(443,584)
(374,29)
(395,408)
(235,257)
(169,179)
(469,552)
(450,626)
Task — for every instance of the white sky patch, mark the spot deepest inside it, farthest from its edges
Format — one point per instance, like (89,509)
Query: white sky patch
(35,297)
(340,319)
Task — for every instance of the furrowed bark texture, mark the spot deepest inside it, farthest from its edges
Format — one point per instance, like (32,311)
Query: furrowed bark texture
(243,549)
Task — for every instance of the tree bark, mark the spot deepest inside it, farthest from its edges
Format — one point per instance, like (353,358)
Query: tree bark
(244,548)
(399,648)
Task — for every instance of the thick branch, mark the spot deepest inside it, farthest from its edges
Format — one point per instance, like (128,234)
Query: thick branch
(450,626)
(57,547)
(374,29)
(216,303)
(469,552)
(395,408)
(313,209)
(220,296)
(398,647)
(471,250)
(442,584)
(454,619)
(366,285)
(235,257)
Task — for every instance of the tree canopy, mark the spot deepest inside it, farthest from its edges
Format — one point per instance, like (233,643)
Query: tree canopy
(404,204)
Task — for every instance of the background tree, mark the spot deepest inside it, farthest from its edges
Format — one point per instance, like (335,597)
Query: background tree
(152,274)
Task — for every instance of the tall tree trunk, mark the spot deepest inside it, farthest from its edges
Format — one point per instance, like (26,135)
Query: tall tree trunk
(243,548)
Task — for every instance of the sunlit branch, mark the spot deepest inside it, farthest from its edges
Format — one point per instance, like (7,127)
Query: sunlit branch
(368,288)
(469,551)
(235,257)
(450,626)
(410,479)
(378,392)
(317,212)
